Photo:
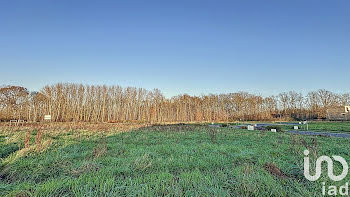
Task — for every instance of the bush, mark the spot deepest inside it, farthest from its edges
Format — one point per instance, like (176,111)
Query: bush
(225,125)
(278,128)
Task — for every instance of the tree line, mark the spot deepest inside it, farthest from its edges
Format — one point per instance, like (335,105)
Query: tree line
(67,102)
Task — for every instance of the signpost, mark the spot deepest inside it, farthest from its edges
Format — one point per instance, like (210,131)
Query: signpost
(307,125)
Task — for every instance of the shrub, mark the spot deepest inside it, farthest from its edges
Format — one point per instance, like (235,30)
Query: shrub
(278,128)
(27,139)
(225,125)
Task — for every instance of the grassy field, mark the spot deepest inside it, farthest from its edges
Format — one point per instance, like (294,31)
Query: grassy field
(342,127)
(330,126)
(162,161)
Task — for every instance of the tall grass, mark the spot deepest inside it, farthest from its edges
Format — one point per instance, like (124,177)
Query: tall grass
(171,160)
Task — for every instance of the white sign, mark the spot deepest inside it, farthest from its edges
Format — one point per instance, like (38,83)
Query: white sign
(274,130)
(250,127)
(347,109)
(296,127)
(47,117)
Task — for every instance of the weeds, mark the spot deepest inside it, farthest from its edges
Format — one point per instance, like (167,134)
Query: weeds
(85,168)
(179,160)
(142,163)
(27,139)
(101,149)
(38,139)
(213,132)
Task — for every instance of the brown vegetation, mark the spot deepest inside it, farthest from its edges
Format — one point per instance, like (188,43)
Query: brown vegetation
(274,170)
(27,139)
(38,139)
(114,104)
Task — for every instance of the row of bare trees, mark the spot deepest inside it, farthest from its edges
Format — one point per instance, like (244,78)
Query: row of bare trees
(89,103)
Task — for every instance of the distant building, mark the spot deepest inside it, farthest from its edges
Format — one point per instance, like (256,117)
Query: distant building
(338,113)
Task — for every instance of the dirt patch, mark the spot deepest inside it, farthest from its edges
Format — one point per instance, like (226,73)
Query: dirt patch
(274,170)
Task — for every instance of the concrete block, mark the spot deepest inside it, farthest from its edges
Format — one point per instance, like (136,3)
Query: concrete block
(250,127)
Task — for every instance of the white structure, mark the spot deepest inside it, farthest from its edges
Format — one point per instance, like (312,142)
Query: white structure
(13,121)
(274,130)
(21,122)
(47,117)
(17,122)
(251,127)
(296,127)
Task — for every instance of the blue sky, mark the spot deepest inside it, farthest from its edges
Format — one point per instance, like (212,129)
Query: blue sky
(194,47)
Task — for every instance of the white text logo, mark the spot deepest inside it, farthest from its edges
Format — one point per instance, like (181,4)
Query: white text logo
(318,169)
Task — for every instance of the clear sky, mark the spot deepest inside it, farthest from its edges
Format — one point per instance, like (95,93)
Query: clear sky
(181,46)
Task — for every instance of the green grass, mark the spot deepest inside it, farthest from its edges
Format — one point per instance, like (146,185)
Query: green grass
(330,126)
(165,161)
(342,127)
